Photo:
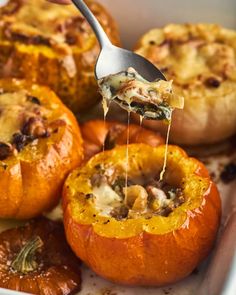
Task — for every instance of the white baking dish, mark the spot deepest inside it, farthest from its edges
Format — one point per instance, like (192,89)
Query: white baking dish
(135,17)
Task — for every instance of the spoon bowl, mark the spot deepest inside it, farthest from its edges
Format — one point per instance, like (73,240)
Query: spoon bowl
(113,59)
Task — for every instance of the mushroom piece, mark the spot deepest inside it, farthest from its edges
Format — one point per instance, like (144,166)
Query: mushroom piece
(5,150)
(159,197)
(136,197)
(34,126)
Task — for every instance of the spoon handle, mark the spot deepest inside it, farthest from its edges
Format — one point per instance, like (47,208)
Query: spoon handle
(92,20)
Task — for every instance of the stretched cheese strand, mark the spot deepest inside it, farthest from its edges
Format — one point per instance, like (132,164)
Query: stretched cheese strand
(140,120)
(127,154)
(166,149)
(105,106)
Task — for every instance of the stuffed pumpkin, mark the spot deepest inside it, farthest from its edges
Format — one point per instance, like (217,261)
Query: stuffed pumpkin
(134,229)
(40,143)
(201,61)
(53,45)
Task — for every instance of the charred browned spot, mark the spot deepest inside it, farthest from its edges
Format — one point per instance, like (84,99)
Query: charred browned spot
(229,173)
(20,140)
(71,39)
(151,42)
(29,40)
(165,211)
(164,69)
(71,23)
(212,82)
(5,150)
(33,99)
(120,212)
(71,29)
(34,127)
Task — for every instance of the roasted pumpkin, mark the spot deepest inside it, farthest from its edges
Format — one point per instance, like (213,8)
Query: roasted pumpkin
(40,143)
(35,258)
(135,230)
(98,134)
(53,45)
(201,61)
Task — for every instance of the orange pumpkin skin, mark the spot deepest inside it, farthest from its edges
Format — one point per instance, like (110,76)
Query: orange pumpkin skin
(64,66)
(95,133)
(31,182)
(57,271)
(132,253)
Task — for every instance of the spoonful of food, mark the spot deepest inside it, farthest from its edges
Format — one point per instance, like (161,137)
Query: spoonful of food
(129,79)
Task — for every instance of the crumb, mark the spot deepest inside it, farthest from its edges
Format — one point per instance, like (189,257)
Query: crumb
(195,271)
(107,292)
(229,173)
(167,290)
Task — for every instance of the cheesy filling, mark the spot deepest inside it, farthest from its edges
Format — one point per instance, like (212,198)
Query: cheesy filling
(112,198)
(199,57)
(22,120)
(152,100)
(41,23)
(14,108)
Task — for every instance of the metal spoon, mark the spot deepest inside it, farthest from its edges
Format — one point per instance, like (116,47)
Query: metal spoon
(113,59)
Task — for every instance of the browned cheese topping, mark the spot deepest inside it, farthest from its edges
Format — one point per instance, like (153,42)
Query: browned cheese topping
(22,119)
(38,22)
(193,56)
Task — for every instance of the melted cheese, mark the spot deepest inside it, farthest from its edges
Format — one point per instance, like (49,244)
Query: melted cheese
(105,198)
(14,109)
(191,54)
(128,87)
(41,23)
(40,17)
(12,106)
(166,151)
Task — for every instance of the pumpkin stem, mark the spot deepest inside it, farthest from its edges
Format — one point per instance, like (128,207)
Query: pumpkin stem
(25,260)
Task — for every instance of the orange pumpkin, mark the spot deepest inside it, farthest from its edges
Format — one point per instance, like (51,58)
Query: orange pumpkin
(97,133)
(145,250)
(53,45)
(40,143)
(35,258)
